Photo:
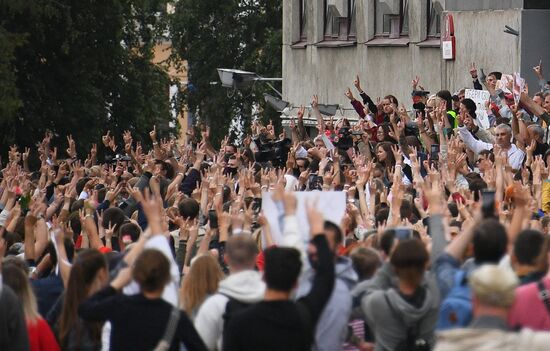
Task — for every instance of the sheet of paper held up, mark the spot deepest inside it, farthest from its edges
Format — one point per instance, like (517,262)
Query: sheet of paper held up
(332,205)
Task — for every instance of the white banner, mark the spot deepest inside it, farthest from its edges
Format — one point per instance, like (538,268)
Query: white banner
(332,205)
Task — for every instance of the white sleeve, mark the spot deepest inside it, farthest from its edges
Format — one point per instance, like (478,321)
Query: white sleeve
(3,217)
(473,144)
(170,293)
(291,233)
(209,320)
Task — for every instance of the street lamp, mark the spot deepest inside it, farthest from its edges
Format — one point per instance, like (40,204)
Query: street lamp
(235,78)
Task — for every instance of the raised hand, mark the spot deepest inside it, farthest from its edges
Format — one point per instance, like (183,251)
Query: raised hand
(153,134)
(473,70)
(538,70)
(349,94)
(357,83)
(315,102)
(71,150)
(415,82)
(315,218)
(127,137)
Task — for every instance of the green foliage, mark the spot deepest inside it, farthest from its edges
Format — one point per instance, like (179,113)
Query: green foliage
(242,34)
(80,67)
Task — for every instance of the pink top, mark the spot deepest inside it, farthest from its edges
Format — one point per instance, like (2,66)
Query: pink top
(528,310)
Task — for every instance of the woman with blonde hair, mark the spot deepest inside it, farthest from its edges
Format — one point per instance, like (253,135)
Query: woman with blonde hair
(201,281)
(39,332)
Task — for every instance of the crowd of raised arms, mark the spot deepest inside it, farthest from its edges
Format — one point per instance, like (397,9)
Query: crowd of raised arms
(444,244)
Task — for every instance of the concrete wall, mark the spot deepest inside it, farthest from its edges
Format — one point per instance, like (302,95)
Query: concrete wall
(535,24)
(480,39)
(473,5)
(329,71)
(390,69)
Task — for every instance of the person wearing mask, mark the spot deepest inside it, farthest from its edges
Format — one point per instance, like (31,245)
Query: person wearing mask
(243,285)
(493,294)
(277,323)
(503,139)
(39,332)
(404,314)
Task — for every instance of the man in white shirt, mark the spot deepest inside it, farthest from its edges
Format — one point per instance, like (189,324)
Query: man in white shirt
(503,138)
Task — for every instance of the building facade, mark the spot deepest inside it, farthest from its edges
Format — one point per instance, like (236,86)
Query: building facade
(326,43)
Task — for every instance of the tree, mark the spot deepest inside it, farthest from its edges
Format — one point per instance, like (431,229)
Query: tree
(243,34)
(81,67)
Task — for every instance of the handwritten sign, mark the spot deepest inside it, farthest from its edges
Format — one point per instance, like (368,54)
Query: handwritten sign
(480,97)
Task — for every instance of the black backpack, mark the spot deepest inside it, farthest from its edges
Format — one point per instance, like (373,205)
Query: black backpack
(413,342)
(232,307)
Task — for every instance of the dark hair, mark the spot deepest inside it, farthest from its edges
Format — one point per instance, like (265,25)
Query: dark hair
(130,229)
(151,270)
(306,161)
(241,251)
(488,154)
(233,146)
(392,98)
(382,215)
(470,105)
(386,241)
(69,249)
(113,216)
(490,241)
(335,228)
(409,260)
(282,268)
(365,262)
(453,208)
(406,210)
(189,208)
(167,167)
(386,129)
(446,95)
(83,273)
(528,246)
(390,159)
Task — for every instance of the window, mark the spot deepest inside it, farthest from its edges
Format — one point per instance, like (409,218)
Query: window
(303,20)
(435,11)
(340,20)
(392,18)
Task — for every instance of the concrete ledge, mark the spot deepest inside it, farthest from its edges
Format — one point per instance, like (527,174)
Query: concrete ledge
(430,43)
(299,45)
(335,43)
(403,41)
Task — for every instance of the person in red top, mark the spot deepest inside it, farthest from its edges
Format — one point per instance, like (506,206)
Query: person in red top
(39,332)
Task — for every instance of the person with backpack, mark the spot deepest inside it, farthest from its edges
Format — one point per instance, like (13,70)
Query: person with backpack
(403,316)
(493,294)
(243,286)
(490,244)
(277,323)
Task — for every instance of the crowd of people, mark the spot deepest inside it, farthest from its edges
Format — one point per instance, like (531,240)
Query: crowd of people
(444,244)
